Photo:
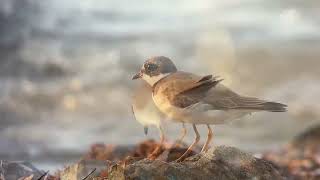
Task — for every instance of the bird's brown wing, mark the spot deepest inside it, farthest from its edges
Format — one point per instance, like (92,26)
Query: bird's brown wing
(222,98)
(187,89)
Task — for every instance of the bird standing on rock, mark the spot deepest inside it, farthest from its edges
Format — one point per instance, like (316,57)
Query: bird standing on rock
(147,114)
(189,98)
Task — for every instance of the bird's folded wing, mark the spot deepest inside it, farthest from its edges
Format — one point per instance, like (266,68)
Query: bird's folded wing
(222,98)
(190,88)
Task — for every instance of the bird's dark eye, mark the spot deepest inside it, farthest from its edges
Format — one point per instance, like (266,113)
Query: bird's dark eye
(151,67)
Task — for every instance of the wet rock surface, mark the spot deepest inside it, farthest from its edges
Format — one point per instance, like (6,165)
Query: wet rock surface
(139,151)
(300,159)
(219,163)
(83,169)
(19,170)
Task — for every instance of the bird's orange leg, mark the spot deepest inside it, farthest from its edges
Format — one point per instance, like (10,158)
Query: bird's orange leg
(195,142)
(156,152)
(182,135)
(209,138)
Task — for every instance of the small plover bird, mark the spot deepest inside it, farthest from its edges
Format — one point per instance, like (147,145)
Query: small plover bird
(144,109)
(189,98)
(147,114)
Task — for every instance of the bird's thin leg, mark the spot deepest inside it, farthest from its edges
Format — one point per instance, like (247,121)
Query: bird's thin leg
(209,138)
(156,152)
(161,136)
(182,135)
(195,142)
(164,156)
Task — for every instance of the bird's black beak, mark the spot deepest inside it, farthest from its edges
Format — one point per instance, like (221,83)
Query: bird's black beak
(137,76)
(146,130)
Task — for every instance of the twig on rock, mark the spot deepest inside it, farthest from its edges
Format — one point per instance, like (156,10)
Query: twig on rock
(43,175)
(90,174)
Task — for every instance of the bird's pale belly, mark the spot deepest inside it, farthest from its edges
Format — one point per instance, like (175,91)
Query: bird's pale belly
(197,114)
(148,115)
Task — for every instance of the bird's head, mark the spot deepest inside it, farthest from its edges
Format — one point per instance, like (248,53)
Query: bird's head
(155,69)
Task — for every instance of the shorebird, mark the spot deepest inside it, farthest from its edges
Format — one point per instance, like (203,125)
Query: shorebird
(189,98)
(147,114)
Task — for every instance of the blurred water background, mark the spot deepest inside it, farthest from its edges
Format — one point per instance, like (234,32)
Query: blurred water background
(66,68)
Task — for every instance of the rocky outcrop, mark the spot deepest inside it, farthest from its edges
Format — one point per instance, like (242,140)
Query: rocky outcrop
(300,159)
(19,170)
(309,139)
(221,163)
(84,169)
(140,151)
(101,157)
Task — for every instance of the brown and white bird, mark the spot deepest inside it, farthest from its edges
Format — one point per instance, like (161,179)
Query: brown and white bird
(147,114)
(189,98)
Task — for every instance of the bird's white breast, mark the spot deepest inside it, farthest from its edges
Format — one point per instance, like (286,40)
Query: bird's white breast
(148,115)
(145,111)
(151,80)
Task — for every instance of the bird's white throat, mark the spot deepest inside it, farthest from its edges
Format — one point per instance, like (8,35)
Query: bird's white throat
(154,79)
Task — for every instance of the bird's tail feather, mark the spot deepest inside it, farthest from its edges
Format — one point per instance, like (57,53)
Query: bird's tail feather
(273,107)
(258,104)
(268,106)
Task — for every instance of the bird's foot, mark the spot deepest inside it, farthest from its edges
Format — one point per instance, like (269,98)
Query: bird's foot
(155,153)
(204,150)
(152,157)
(184,156)
(180,159)
(178,145)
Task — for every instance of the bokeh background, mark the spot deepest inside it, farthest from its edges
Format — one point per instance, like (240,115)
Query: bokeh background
(66,68)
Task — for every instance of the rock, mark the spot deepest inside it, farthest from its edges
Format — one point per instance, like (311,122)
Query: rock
(82,169)
(222,163)
(141,150)
(100,157)
(300,159)
(309,139)
(108,152)
(19,170)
